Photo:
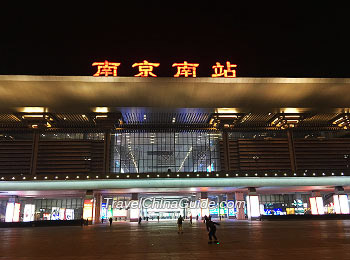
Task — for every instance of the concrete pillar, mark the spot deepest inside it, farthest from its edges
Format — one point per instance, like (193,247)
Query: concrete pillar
(97,207)
(291,148)
(221,208)
(240,203)
(225,141)
(107,152)
(204,204)
(134,210)
(230,203)
(34,158)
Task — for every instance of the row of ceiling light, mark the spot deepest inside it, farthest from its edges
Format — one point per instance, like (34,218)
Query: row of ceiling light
(281,120)
(168,175)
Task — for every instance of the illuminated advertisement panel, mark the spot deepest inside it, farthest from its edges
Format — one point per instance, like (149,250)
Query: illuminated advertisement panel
(62,215)
(16,212)
(320,207)
(29,210)
(69,214)
(55,213)
(9,211)
(344,204)
(103,211)
(313,206)
(336,204)
(87,211)
(253,206)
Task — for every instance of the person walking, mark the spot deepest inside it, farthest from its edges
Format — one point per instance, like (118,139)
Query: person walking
(211,225)
(206,221)
(110,221)
(197,218)
(158,218)
(179,225)
(191,219)
(140,219)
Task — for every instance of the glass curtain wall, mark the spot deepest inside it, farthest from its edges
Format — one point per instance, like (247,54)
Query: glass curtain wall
(141,152)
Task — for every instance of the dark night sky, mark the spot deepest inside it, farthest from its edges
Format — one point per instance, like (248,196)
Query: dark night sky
(285,41)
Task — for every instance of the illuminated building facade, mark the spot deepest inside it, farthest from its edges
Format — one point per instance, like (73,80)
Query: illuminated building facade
(72,147)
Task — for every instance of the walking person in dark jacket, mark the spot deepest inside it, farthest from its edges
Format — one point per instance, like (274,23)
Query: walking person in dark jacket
(179,224)
(212,230)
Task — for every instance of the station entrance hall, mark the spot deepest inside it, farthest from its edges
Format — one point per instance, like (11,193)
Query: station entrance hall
(125,148)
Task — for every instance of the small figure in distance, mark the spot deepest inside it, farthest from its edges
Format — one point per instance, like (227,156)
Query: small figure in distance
(179,225)
(110,221)
(140,219)
(158,218)
(212,230)
(197,218)
(191,219)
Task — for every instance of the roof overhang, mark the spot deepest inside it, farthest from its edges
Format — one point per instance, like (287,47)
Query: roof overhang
(84,93)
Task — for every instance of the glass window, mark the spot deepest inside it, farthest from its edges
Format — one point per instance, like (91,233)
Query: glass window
(161,152)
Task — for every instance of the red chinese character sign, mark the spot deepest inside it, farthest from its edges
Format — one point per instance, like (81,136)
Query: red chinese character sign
(185,69)
(219,70)
(145,68)
(106,68)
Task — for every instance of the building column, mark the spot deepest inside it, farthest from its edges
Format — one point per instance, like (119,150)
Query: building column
(97,208)
(239,202)
(291,148)
(226,151)
(340,200)
(253,204)
(35,148)
(107,152)
(204,204)
(134,210)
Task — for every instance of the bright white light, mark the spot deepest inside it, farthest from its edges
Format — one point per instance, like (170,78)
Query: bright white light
(29,210)
(253,206)
(336,204)
(134,212)
(32,109)
(9,212)
(320,207)
(313,206)
(16,212)
(101,110)
(344,205)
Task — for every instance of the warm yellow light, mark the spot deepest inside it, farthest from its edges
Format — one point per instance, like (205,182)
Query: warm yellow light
(101,116)
(31,109)
(290,110)
(211,121)
(101,110)
(227,116)
(32,116)
(226,110)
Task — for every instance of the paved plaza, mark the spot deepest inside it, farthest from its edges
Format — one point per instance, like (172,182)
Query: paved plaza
(152,240)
